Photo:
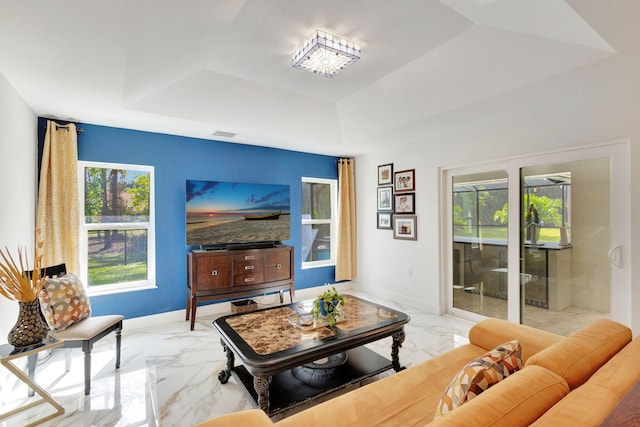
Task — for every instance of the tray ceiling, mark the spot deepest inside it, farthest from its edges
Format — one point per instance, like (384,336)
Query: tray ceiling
(204,66)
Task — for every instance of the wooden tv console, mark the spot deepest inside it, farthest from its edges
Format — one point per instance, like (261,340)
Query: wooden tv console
(227,274)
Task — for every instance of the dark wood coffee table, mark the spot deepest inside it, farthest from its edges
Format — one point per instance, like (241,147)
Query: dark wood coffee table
(285,365)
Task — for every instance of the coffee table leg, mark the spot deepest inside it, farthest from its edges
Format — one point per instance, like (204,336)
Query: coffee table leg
(261,385)
(224,375)
(398,339)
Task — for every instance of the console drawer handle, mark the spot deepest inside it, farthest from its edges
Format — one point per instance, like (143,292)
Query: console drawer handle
(249,267)
(249,257)
(249,279)
(214,273)
(278,266)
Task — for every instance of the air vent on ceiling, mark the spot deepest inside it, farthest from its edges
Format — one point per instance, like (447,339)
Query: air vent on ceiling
(224,134)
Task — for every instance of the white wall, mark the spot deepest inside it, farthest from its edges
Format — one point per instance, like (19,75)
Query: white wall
(18,151)
(597,103)
(594,104)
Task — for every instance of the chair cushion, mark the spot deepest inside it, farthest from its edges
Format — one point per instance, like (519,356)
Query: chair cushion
(64,301)
(89,328)
(480,374)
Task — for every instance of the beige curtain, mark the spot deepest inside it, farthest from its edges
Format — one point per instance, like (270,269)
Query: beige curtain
(346,253)
(58,204)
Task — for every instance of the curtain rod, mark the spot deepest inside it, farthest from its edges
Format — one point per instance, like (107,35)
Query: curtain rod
(58,127)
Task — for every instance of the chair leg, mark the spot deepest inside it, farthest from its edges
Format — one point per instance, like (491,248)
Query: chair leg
(67,359)
(32,361)
(118,345)
(86,348)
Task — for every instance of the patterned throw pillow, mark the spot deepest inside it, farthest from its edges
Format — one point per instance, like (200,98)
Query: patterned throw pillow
(480,374)
(64,301)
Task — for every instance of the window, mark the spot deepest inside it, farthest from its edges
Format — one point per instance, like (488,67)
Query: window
(319,210)
(117,238)
(480,207)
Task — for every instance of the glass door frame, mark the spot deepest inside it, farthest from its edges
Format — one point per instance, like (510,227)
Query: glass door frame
(446,236)
(620,218)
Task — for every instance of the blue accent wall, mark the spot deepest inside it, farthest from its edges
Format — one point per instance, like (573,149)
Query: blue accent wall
(175,160)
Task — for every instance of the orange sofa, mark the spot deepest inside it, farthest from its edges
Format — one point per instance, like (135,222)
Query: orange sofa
(575,380)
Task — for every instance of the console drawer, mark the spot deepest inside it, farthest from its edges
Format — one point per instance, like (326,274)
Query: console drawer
(250,278)
(243,267)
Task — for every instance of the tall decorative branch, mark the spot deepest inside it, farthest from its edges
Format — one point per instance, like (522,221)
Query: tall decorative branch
(19,282)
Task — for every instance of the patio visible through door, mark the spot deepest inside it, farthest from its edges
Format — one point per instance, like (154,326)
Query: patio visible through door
(536,249)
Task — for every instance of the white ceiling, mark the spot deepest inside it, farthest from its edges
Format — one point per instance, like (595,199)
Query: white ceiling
(195,67)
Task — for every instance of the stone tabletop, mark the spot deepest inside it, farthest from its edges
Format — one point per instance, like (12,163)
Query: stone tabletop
(270,331)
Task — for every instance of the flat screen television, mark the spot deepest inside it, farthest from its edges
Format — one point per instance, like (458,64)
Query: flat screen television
(236,214)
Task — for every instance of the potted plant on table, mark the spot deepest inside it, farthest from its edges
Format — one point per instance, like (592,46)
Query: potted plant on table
(328,305)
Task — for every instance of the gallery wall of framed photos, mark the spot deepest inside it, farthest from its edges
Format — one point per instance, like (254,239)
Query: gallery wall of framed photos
(396,200)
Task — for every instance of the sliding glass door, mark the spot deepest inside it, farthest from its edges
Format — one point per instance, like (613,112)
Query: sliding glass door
(532,240)
(480,243)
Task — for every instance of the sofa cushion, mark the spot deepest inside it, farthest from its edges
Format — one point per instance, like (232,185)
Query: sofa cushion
(517,401)
(248,418)
(606,387)
(480,374)
(408,397)
(490,333)
(64,301)
(578,356)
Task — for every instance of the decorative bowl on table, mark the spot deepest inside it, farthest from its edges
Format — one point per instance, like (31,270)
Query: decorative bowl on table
(305,319)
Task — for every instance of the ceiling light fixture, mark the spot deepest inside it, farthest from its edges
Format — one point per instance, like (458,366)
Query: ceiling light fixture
(326,54)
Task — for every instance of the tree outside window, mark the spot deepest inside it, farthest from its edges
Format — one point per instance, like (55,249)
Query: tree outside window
(319,200)
(118,225)
(480,209)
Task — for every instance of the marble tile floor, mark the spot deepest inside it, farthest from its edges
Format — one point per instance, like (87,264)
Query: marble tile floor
(563,322)
(168,374)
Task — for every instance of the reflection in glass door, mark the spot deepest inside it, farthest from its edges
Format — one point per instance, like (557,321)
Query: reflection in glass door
(479,218)
(565,274)
(536,240)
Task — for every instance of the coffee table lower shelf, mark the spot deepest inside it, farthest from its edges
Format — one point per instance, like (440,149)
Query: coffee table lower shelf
(286,392)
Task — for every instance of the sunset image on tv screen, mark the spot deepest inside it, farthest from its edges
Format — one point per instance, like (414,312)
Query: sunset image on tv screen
(220,212)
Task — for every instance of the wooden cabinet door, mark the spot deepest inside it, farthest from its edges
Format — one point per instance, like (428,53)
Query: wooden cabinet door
(248,268)
(277,265)
(213,272)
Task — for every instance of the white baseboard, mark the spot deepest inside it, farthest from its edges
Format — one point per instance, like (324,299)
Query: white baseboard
(420,304)
(225,307)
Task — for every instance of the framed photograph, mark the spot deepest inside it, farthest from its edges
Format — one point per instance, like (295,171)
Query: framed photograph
(385,174)
(404,203)
(385,198)
(405,180)
(405,227)
(384,220)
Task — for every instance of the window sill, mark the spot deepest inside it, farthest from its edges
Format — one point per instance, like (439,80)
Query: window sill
(118,289)
(307,266)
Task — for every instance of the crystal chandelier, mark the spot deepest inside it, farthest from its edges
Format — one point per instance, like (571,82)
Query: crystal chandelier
(325,54)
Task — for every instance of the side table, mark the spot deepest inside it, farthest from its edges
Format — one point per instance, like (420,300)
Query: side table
(7,354)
